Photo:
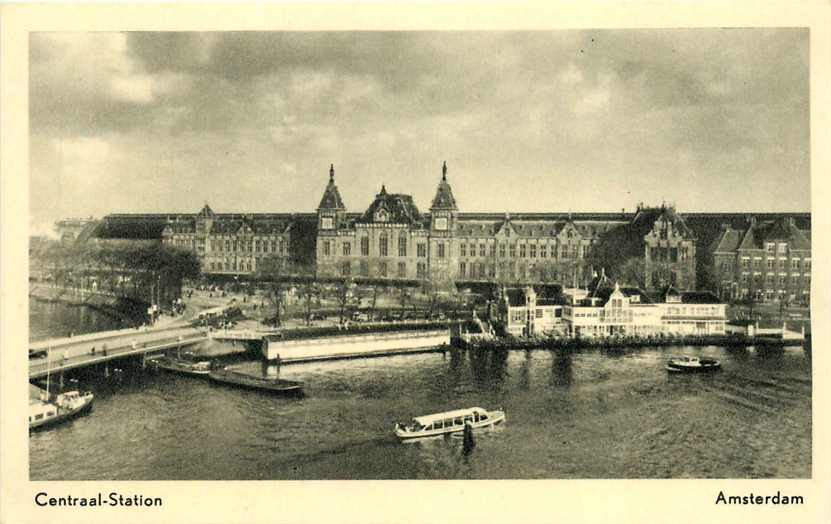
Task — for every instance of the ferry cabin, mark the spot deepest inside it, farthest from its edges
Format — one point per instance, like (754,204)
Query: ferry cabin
(39,410)
(449,422)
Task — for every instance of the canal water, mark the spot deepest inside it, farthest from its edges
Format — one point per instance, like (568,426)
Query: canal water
(57,319)
(578,414)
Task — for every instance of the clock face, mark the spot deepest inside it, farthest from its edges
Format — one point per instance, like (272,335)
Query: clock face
(441,223)
(326,222)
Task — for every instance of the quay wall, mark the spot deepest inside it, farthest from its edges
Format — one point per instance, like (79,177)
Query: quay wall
(352,346)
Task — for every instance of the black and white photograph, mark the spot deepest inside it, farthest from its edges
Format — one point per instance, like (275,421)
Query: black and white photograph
(355,255)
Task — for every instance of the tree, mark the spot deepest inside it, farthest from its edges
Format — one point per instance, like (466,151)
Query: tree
(344,294)
(310,293)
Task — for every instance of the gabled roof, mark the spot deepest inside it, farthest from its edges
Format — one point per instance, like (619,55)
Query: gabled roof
(206,212)
(444,199)
(646,218)
(727,241)
(331,196)
(401,208)
(782,229)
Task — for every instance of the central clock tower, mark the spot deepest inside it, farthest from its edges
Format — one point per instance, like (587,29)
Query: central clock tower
(443,211)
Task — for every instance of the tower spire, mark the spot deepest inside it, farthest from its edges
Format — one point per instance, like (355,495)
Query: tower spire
(332,172)
(444,171)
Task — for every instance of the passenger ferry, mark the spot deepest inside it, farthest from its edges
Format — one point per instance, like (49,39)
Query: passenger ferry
(692,365)
(448,422)
(44,413)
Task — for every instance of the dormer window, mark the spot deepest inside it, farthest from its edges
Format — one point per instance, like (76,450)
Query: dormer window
(381,215)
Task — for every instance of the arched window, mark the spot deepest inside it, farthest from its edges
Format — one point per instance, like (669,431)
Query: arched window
(383,244)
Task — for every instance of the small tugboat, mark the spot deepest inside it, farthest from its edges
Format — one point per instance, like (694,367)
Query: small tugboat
(448,422)
(184,366)
(273,385)
(692,365)
(44,412)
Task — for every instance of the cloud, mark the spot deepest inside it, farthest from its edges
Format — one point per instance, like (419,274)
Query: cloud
(163,121)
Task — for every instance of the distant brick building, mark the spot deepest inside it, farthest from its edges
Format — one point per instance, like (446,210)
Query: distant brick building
(764,260)
(232,244)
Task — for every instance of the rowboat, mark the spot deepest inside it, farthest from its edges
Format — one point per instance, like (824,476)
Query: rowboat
(448,422)
(244,380)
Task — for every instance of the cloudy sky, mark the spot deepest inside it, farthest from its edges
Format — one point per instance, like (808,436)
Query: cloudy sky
(713,120)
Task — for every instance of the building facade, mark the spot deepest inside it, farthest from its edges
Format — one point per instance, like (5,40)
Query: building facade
(529,313)
(231,244)
(393,240)
(627,311)
(763,261)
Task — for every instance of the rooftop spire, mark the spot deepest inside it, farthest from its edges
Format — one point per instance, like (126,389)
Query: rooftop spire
(383,189)
(444,195)
(444,171)
(332,172)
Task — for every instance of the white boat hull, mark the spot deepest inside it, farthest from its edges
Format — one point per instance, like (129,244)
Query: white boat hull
(494,418)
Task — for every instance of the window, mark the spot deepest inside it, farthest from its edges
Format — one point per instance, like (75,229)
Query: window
(538,313)
(492,250)
(795,264)
(346,269)
(502,250)
(522,250)
(746,262)
(326,248)
(533,250)
(482,250)
(440,250)
(402,246)
(757,263)
(806,264)
(364,268)
(481,270)
(273,246)
(383,245)
(771,247)
(783,264)
(421,269)
(365,246)
(257,246)
(492,270)
(382,269)
(574,252)
(564,252)
(421,250)
(770,263)
(783,248)
(462,269)
(462,250)
(512,250)
(347,249)
(402,269)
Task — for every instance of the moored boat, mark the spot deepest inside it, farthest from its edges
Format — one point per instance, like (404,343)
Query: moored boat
(692,365)
(244,380)
(185,367)
(44,412)
(448,422)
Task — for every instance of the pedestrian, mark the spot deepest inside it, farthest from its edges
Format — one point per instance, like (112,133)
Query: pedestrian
(92,352)
(66,355)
